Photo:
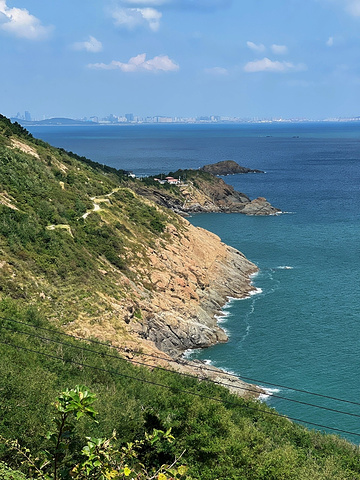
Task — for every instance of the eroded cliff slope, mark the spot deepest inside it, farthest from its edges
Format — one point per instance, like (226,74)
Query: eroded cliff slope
(101,261)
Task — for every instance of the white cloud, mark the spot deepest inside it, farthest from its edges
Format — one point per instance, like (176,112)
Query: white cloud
(220,71)
(19,22)
(330,42)
(135,17)
(137,13)
(267,65)
(152,16)
(91,45)
(161,63)
(279,49)
(181,4)
(256,47)
(151,3)
(353,7)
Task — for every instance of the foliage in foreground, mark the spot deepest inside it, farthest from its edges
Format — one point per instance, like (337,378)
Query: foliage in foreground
(99,458)
(225,438)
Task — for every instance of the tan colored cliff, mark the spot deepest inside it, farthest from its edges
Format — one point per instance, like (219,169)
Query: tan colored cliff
(189,279)
(157,292)
(183,285)
(193,276)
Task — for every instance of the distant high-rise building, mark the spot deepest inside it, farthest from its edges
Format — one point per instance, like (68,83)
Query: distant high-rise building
(161,119)
(27,116)
(111,118)
(129,117)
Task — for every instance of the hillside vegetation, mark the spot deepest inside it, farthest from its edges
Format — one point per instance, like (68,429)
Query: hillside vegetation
(78,249)
(225,437)
(65,224)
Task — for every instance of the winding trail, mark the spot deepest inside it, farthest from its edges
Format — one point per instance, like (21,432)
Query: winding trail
(98,200)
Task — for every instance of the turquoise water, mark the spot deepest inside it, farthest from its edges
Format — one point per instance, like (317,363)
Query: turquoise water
(303,327)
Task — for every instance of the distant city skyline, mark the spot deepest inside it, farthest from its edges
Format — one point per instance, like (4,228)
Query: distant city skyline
(133,118)
(181,58)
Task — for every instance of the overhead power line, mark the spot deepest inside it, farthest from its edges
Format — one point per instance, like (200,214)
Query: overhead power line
(181,390)
(252,390)
(180,362)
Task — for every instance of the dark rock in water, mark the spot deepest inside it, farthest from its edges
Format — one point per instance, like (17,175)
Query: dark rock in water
(260,206)
(227,167)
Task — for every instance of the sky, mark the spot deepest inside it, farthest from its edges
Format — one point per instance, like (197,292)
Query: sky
(243,58)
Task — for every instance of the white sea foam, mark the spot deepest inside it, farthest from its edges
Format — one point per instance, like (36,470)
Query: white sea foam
(190,351)
(224,313)
(227,370)
(284,267)
(257,291)
(221,319)
(247,331)
(269,392)
(231,300)
(223,316)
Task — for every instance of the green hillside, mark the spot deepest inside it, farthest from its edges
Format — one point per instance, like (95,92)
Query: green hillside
(225,437)
(47,244)
(73,242)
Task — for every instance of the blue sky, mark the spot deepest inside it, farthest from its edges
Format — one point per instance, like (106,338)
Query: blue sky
(244,58)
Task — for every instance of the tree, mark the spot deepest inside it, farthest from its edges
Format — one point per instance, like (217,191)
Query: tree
(102,458)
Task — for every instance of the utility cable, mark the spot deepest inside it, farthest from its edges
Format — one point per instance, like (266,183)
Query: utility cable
(171,360)
(175,372)
(273,413)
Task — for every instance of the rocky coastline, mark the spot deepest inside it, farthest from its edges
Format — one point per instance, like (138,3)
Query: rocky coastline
(147,281)
(203,192)
(195,275)
(174,305)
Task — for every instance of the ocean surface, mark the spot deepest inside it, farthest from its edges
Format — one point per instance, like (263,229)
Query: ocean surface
(302,328)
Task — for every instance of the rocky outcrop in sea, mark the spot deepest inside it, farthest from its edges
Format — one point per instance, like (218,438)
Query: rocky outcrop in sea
(227,167)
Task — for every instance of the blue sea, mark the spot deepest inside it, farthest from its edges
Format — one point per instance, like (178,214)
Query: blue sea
(302,329)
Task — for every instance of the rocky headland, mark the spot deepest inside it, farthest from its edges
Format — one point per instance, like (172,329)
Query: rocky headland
(199,191)
(228,167)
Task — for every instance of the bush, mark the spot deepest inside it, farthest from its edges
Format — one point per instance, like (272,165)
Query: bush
(7,473)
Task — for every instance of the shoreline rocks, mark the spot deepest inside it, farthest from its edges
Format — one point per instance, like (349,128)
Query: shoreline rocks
(207,194)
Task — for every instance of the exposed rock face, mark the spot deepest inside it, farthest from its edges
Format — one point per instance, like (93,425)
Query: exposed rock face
(260,206)
(216,196)
(193,277)
(205,195)
(227,167)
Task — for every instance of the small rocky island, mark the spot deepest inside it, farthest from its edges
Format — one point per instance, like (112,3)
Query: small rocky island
(227,167)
